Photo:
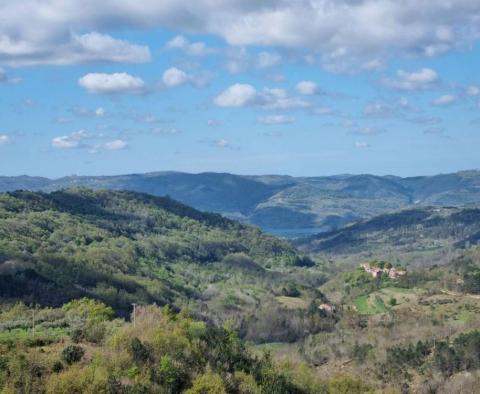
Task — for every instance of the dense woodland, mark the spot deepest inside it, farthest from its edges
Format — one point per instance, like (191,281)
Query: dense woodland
(221,307)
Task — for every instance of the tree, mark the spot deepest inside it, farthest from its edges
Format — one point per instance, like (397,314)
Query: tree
(208,383)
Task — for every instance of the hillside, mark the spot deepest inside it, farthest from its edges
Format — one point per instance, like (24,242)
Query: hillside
(282,204)
(117,245)
(419,230)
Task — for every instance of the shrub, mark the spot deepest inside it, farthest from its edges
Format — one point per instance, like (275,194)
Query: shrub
(138,351)
(208,383)
(57,367)
(72,354)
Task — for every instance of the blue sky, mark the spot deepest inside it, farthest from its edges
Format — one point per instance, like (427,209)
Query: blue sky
(315,88)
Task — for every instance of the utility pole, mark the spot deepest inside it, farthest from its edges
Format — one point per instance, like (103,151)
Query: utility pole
(134,313)
(33,322)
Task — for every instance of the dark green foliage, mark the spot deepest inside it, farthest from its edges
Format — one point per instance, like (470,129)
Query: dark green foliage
(57,366)
(410,355)
(138,351)
(72,354)
(462,354)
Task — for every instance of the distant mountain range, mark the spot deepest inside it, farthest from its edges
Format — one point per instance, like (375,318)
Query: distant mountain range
(282,204)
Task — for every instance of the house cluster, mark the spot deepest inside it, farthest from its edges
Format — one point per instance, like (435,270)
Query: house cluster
(375,271)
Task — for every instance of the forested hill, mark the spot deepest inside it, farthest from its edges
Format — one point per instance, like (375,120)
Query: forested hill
(119,247)
(282,202)
(420,229)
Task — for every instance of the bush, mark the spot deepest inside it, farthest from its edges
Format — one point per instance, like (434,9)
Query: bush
(208,383)
(72,354)
(57,367)
(138,351)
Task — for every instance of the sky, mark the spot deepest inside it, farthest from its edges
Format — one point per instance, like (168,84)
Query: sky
(304,87)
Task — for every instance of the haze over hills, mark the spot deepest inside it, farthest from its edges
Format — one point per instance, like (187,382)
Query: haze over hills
(282,204)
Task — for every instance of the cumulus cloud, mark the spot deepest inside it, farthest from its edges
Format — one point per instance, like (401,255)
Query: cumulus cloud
(194,49)
(279,99)
(240,60)
(173,77)
(237,95)
(307,88)
(4,139)
(115,83)
(68,49)
(241,95)
(39,31)
(445,100)
(276,119)
(416,80)
(74,140)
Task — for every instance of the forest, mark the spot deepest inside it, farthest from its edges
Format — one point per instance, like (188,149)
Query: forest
(122,292)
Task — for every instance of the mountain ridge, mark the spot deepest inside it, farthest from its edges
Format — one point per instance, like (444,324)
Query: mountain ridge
(281,201)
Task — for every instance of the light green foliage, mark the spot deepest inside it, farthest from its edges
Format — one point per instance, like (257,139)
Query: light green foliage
(208,383)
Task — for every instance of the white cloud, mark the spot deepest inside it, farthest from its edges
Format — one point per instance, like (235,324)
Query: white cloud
(377,110)
(4,139)
(115,145)
(173,77)
(221,143)
(68,48)
(279,99)
(165,130)
(268,59)
(362,145)
(74,140)
(473,90)
(241,95)
(100,112)
(194,49)
(445,100)
(237,95)
(416,80)
(240,60)
(112,83)
(276,119)
(307,88)
(39,31)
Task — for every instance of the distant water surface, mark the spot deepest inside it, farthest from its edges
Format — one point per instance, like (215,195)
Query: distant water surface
(296,232)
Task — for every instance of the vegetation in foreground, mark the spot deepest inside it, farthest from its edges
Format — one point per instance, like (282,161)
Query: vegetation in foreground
(79,348)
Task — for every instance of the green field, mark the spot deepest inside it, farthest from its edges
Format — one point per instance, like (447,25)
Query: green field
(369,305)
